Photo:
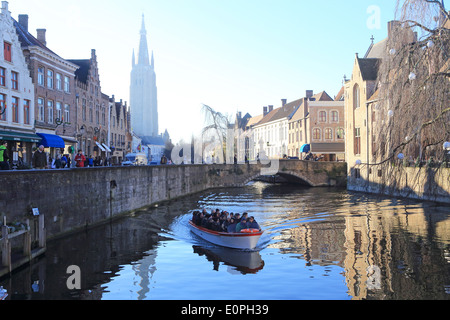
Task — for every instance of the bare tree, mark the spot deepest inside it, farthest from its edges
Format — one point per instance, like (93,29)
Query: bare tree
(414,79)
(216,126)
(413,106)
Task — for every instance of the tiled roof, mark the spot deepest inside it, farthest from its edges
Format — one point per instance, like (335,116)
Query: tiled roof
(254,120)
(340,95)
(82,73)
(369,68)
(27,39)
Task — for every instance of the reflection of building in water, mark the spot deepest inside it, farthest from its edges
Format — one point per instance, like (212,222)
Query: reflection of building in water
(385,248)
(388,252)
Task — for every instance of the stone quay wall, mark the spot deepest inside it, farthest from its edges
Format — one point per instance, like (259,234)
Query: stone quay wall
(74,199)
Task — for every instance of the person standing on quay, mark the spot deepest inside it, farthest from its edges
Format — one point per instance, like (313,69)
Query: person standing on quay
(80,159)
(4,165)
(40,158)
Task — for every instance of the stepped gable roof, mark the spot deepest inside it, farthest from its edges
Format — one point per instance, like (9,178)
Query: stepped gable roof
(369,68)
(83,71)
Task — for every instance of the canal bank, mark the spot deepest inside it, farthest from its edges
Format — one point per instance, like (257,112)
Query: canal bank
(318,243)
(78,198)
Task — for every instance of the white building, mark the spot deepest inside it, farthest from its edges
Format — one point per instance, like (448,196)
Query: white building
(143,91)
(271,133)
(16,94)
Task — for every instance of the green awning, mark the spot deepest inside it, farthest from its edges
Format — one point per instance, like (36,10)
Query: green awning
(19,136)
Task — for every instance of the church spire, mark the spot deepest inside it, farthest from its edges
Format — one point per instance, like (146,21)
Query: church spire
(143,58)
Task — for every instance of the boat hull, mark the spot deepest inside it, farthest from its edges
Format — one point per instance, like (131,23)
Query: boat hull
(230,240)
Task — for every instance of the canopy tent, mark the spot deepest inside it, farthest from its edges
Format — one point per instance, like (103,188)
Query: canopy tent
(19,136)
(51,140)
(305,148)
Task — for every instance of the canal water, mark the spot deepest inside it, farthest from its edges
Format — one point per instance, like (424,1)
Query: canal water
(318,244)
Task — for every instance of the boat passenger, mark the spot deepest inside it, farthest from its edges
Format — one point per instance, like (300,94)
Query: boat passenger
(231,228)
(237,217)
(215,225)
(241,225)
(245,216)
(252,224)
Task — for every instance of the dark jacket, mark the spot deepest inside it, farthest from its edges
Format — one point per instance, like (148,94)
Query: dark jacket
(231,228)
(39,159)
(253,225)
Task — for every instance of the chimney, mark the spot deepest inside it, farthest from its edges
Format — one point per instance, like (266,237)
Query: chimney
(270,108)
(309,94)
(4,7)
(41,36)
(264,111)
(23,21)
(283,102)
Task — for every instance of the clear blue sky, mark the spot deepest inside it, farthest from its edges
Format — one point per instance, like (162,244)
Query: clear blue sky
(234,55)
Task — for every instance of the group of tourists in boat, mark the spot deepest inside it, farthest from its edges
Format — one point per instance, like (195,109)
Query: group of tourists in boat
(222,221)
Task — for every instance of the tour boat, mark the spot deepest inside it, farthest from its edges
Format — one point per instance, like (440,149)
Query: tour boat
(246,239)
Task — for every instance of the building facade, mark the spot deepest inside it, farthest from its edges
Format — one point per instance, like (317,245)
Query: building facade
(54,100)
(317,127)
(119,137)
(143,91)
(92,109)
(16,95)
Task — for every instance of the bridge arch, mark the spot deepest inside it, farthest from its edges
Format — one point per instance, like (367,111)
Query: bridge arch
(289,176)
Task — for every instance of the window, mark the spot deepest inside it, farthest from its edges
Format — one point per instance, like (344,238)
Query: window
(26,111)
(50,111)
(50,78)
(15,109)
(41,109)
(2,77)
(41,77)
(322,116)
(7,51)
(2,107)
(316,134)
(83,111)
(58,82)
(357,141)
(340,133)
(66,84)
(66,113)
(59,111)
(91,113)
(14,80)
(356,97)
(334,116)
(329,134)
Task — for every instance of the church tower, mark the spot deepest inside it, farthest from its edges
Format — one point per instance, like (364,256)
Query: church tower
(143,91)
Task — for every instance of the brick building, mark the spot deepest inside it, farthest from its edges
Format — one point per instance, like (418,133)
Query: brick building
(92,116)
(54,99)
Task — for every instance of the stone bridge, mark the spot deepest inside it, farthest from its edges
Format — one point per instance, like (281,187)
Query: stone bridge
(73,199)
(308,173)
